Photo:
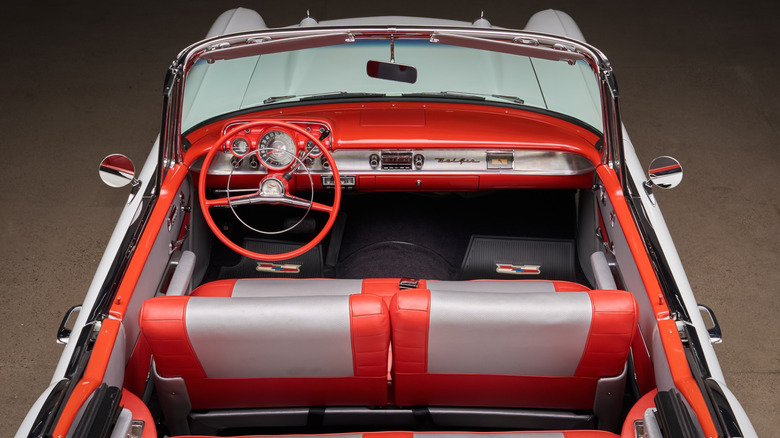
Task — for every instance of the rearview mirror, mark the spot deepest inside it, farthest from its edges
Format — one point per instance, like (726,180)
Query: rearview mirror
(391,71)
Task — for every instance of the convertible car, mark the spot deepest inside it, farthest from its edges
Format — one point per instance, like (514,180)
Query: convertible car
(390,228)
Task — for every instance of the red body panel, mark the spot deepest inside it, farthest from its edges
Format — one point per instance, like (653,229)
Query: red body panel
(93,374)
(675,355)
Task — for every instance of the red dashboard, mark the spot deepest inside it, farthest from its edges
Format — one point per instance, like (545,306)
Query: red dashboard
(403,146)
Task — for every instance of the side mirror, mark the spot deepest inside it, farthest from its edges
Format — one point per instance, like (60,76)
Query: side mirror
(391,71)
(116,170)
(664,172)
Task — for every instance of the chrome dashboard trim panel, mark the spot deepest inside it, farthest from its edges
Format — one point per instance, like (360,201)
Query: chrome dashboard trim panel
(437,162)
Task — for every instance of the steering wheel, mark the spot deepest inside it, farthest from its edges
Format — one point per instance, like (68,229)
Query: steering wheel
(273,189)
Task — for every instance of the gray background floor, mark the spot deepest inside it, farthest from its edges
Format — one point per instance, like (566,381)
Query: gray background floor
(82,79)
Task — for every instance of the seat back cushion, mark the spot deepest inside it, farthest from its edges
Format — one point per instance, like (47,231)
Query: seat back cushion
(278,287)
(536,350)
(504,286)
(272,352)
(384,287)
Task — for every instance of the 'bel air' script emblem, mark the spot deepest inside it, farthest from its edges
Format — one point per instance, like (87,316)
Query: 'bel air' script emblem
(457,161)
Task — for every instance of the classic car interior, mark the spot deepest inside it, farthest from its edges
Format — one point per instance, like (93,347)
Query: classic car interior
(461,281)
(391,263)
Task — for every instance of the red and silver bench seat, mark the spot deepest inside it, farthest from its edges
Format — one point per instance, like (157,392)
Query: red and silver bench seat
(530,350)
(276,351)
(297,343)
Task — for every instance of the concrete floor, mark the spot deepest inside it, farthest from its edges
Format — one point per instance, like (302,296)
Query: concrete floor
(80,80)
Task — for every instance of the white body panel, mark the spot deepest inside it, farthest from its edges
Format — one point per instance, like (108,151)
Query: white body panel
(236,20)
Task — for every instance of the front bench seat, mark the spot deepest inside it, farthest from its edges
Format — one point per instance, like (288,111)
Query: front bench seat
(221,353)
(561,350)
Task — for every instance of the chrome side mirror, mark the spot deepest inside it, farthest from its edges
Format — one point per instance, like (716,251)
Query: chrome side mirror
(116,170)
(664,172)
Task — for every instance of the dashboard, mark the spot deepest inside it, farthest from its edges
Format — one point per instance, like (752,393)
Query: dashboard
(393,153)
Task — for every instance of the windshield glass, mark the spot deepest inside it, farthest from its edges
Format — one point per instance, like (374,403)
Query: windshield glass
(225,86)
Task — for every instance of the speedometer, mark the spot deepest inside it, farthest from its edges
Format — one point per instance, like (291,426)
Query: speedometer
(276,149)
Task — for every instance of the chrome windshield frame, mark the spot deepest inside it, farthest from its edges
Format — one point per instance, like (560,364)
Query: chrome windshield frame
(523,43)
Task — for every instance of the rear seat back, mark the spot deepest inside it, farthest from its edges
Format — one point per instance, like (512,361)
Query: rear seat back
(273,351)
(383,287)
(532,350)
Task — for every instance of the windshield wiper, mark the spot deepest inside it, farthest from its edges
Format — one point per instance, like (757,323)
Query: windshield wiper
(317,96)
(466,95)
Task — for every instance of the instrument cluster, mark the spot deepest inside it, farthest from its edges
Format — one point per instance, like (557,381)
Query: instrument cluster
(275,148)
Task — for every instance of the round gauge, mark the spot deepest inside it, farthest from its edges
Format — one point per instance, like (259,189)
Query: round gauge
(312,149)
(277,149)
(239,147)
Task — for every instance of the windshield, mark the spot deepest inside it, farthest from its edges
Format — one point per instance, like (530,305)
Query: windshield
(226,86)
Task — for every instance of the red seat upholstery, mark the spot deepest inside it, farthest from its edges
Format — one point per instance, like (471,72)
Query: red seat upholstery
(271,352)
(530,350)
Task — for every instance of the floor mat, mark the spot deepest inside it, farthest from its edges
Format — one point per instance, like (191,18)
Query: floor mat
(396,259)
(519,258)
(307,265)
(427,235)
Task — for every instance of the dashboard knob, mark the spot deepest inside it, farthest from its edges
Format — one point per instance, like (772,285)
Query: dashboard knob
(419,160)
(373,161)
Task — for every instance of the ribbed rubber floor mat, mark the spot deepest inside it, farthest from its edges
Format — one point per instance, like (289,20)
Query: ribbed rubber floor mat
(519,258)
(307,265)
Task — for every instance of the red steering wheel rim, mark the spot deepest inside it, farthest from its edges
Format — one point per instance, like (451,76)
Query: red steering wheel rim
(218,146)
